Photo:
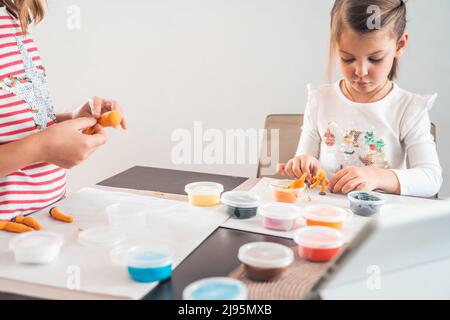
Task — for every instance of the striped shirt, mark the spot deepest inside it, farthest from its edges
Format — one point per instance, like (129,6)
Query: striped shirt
(37,185)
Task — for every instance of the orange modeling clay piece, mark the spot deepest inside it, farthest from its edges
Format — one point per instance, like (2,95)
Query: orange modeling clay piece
(28,221)
(107,119)
(320,178)
(58,215)
(14,227)
(299,183)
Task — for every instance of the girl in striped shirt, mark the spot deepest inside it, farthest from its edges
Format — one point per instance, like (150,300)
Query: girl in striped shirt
(36,145)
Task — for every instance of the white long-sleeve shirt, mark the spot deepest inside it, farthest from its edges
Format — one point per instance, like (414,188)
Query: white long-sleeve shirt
(392,133)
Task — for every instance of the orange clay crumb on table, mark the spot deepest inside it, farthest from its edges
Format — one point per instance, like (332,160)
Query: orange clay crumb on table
(107,119)
(58,215)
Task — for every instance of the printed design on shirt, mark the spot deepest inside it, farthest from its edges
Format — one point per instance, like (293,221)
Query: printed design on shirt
(329,138)
(375,154)
(354,147)
(351,141)
(32,87)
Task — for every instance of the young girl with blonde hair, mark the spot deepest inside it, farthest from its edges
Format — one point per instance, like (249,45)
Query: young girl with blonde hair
(364,130)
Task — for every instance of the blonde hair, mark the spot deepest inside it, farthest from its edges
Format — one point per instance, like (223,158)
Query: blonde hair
(354,14)
(26,11)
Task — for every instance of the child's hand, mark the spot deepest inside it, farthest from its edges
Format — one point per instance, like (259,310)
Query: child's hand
(295,167)
(355,178)
(64,145)
(96,106)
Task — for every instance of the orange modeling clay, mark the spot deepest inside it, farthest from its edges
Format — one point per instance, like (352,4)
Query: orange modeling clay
(299,183)
(320,178)
(14,227)
(28,221)
(58,215)
(107,119)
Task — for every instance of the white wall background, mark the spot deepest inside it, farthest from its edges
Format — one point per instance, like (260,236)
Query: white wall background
(228,63)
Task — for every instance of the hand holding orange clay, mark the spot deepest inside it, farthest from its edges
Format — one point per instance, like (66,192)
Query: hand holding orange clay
(14,227)
(58,215)
(28,221)
(107,119)
(320,178)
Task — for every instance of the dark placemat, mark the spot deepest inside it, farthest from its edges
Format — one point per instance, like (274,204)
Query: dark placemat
(166,180)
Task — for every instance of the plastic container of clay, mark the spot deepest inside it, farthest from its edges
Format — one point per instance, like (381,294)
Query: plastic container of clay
(280,216)
(145,263)
(127,216)
(241,204)
(38,247)
(325,215)
(281,193)
(318,244)
(265,261)
(365,203)
(216,288)
(204,193)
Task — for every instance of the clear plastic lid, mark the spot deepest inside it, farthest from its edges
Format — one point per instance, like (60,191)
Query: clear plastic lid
(318,237)
(325,213)
(142,256)
(240,199)
(266,255)
(101,237)
(281,211)
(127,216)
(36,239)
(204,188)
(216,288)
(366,197)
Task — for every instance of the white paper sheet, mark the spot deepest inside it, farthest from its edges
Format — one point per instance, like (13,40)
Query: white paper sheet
(351,226)
(174,223)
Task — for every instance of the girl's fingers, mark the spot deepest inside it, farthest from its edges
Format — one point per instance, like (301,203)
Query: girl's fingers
(296,163)
(123,123)
(96,105)
(341,182)
(336,178)
(361,187)
(351,185)
(107,105)
(288,169)
(111,105)
(83,123)
(98,129)
(98,138)
(306,163)
(314,168)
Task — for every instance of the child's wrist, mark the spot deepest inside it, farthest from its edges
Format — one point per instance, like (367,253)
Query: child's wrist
(387,181)
(36,146)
